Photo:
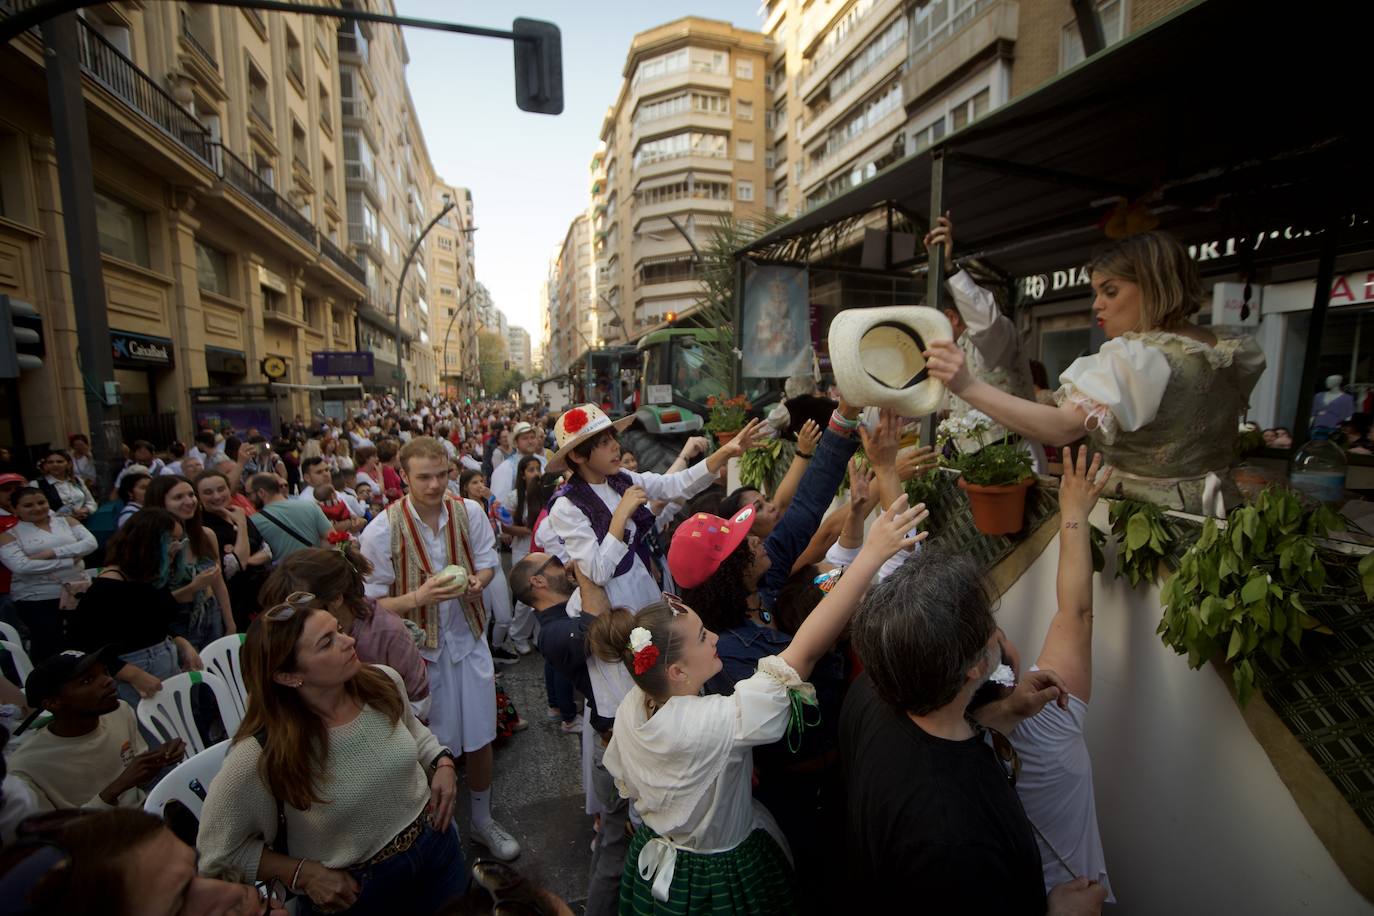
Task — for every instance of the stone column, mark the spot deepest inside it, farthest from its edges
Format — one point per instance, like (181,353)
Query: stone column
(300,353)
(187,321)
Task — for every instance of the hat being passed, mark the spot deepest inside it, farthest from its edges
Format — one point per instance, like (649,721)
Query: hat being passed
(52,674)
(580,423)
(876,356)
(702,542)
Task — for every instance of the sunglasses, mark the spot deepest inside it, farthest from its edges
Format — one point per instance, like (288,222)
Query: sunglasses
(677,604)
(1006,754)
(296,601)
(273,894)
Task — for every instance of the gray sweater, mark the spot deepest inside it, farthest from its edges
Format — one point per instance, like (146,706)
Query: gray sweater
(376,783)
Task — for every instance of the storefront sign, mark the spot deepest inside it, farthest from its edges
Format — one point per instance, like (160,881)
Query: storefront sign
(141,351)
(342,363)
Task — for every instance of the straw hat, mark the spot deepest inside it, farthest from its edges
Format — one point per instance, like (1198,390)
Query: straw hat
(876,356)
(580,423)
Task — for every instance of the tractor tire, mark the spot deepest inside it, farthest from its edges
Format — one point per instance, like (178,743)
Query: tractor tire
(655,453)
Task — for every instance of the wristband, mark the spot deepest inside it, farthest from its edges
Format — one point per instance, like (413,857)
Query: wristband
(839,419)
(292,886)
(804,456)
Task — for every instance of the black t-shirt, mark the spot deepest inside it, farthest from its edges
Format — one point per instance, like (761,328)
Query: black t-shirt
(562,642)
(126,616)
(227,535)
(937,818)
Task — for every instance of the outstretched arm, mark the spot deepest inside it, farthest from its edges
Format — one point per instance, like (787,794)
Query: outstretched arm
(1040,422)
(1068,647)
(808,437)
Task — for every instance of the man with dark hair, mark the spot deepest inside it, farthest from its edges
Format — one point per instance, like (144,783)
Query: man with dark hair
(287,525)
(931,800)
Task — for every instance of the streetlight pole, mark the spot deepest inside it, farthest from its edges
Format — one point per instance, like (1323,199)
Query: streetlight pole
(449,204)
(451,319)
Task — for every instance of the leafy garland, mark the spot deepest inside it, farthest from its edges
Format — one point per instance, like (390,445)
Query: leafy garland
(1237,590)
(1143,540)
(763,467)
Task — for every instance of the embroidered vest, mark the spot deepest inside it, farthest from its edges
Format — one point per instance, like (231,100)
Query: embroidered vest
(413,567)
(581,495)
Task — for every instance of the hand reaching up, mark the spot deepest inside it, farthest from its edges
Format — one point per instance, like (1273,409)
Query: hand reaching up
(808,437)
(888,533)
(1081,484)
(881,445)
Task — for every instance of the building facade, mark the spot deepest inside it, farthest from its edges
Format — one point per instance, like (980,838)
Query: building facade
(683,142)
(518,346)
(453,317)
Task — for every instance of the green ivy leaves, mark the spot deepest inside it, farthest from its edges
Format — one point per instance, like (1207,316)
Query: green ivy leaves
(762,467)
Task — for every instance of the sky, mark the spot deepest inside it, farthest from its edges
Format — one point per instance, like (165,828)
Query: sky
(529,173)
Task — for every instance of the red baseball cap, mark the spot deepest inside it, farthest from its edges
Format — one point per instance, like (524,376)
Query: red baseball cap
(7,479)
(702,543)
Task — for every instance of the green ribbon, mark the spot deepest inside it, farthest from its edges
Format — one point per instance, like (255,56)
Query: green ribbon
(797,722)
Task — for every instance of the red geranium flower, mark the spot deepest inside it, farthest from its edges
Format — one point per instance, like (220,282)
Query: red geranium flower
(645,658)
(575,420)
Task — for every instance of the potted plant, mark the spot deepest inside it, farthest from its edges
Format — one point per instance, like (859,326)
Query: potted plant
(995,474)
(727,416)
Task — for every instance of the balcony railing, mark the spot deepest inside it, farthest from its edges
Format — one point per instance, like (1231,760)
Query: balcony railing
(351,42)
(354,108)
(342,260)
(188,33)
(239,175)
(104,63)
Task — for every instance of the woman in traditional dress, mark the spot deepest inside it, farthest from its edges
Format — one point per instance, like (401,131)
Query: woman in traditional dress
(1162,398)
(686,760)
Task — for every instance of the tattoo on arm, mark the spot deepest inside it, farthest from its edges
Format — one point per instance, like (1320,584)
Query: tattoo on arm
(1071,524)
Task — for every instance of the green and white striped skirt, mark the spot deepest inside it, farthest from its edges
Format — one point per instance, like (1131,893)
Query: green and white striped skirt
(754,878)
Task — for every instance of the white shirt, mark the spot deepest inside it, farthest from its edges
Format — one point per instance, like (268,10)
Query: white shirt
(599,559)
(455,637)
(1120,387)
(84,465)
(207,461)
(689,768)
(469,463)
(41,580)
(74,495)
(503,477)
(993,349)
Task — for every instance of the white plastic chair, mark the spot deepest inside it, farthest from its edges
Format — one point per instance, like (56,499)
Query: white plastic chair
(189,781)
(221,659)
(168,713)
(10,634)
(22,665)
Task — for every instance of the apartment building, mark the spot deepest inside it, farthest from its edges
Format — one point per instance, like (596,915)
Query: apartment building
(518,346)
(684,140)
(216,150)
(453,317)
(569,296)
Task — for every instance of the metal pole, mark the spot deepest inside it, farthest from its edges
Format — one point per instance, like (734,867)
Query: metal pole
(1326,270)
(737,342)
(935,267)
(462,305)
(400,290)
(696,252)
(84,270)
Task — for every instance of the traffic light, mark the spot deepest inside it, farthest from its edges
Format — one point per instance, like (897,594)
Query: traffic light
(21,337)
(538,66)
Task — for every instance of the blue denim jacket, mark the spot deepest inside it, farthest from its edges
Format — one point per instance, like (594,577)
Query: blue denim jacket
(743,647)
(803,516)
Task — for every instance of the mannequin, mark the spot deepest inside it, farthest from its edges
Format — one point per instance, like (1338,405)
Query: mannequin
(1333,406)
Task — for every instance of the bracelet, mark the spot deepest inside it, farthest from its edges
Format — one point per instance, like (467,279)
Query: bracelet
(839,419)
(804,456)
(444,760)
(292,886)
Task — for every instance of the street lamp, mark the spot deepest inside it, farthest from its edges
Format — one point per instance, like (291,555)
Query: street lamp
(449,204)
(464,304)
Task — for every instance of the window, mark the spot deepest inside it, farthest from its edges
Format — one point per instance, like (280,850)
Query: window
(710,61)
(314,314)
(300,147)
(115,30)
(327,179)
(744,150)
(929,135)
(1111,13)
(744,110)
(258,101)
(265,168)
(683,190)
(933,23)
(212,269)
(326,110)
(359,157)
(705,102)
(860,64)
(863,118)
(273,301)
(841,29)
(295,60)
(693,143)
(744,69)
(744,190)
(971,110)
(123,230)
(663,65)
(13,197)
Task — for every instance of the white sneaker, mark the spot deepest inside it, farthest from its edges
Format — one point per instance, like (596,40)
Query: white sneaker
(523,647)
(571,728)
(499,843)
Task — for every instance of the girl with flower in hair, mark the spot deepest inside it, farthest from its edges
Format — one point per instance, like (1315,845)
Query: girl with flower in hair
(602,519)
(686,759)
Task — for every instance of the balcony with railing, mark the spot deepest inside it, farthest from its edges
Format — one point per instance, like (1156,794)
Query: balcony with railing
(240,176)
(342,260)
(947,34)
(197,42)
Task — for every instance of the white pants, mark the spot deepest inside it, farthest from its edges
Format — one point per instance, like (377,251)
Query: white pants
(497,601)
(462,711)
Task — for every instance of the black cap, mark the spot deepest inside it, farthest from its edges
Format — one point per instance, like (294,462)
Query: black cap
(52,674)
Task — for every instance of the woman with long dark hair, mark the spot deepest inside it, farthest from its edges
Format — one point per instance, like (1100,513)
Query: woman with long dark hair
(331,784)
(197,581)
(244,555)
(129,606)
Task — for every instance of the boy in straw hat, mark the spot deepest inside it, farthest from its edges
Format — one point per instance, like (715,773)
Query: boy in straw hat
(601,517)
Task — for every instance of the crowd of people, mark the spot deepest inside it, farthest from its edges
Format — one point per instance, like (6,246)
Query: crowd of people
(777,689)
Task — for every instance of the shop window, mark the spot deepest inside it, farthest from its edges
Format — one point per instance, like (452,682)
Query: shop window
(123,230)
(212,269)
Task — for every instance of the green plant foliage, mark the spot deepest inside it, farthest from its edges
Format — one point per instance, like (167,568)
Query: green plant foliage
(1142,540)
(1238,589)
(991,464)
(763,467)
(728,415)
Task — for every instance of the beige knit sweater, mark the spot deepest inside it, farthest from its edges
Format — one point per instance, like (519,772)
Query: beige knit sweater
(376,784)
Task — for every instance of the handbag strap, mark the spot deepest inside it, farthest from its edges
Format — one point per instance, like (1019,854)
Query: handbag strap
(284,526)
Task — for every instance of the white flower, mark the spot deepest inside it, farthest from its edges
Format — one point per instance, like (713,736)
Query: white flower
(639,638)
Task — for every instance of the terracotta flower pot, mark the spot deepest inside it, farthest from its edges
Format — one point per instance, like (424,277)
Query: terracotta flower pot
(724,437)
(999,509)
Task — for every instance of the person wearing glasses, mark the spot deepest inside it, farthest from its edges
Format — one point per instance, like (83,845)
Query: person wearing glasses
(932,777)
(94,863)
(129,606)
(331,784)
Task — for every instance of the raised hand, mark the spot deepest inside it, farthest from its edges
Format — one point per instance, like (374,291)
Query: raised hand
(942,233)
(888,533)
(744,440)
(945,362)
(881,445)
(808,437)
(1082,484)
(916,461)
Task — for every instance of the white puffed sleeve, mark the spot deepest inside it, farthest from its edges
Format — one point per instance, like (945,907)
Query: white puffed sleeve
(1120,387)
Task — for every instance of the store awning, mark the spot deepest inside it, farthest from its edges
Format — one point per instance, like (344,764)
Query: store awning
(1229,119)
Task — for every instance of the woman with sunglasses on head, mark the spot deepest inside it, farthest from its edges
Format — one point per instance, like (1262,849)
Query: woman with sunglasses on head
(42,551)
(197,580)
(331,784)
(686,760)
(129,606)
(335,578)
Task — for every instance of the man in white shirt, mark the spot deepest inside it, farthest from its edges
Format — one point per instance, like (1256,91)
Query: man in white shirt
(989,339)
(461,673)
(205,448)
(90,754)
(527,442)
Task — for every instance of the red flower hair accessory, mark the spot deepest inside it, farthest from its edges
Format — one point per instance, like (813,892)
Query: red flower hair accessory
(574,420)
(645,652)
